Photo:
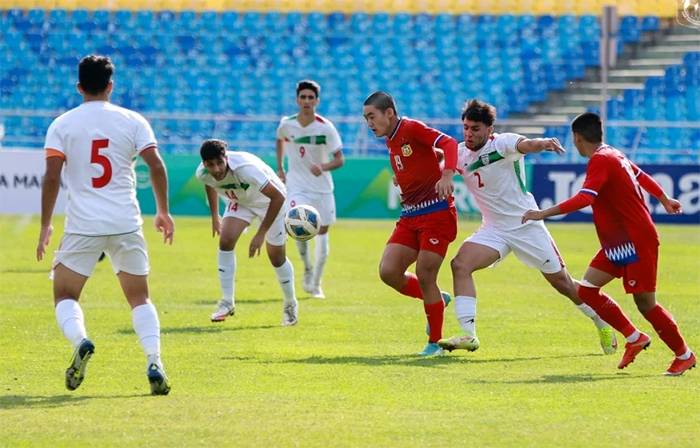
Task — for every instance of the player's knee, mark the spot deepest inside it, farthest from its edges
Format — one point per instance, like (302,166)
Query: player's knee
(563,284)
(226,243)
(277,256)
(644,302)
(427,276)
(460,267)
(390,274)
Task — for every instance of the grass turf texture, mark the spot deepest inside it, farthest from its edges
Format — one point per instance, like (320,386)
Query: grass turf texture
(346,374)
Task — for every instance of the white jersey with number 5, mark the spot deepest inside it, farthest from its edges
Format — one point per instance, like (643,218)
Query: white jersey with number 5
(247,175)
(495,176)
(305,146)
(99,142)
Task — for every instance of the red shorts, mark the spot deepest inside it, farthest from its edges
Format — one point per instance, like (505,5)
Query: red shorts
(433,231)
(637,277)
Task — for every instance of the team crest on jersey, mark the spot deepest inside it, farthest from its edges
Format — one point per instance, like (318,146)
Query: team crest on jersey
(406,150)
(485,159)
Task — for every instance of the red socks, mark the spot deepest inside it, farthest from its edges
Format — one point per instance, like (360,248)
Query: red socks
(667,329)
(435,313)
(412,287)
(607,309)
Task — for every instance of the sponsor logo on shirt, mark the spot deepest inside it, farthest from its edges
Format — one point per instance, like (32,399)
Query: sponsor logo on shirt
(406,150)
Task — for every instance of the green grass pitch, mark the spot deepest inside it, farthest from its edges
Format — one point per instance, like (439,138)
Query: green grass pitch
(346,375)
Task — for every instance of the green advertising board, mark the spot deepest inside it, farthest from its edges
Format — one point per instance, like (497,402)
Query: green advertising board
(363,189)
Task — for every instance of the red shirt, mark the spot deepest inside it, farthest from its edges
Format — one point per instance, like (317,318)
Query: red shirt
(620,215)
(415,162)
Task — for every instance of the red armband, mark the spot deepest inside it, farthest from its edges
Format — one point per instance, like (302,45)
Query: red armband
(577,202)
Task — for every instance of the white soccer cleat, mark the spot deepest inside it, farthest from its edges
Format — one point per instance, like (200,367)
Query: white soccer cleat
(318,293)
(308,283)
(289,314)
(224,309)
(465,342)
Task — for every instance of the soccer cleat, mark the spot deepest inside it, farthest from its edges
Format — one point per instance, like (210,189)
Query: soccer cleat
(223,310)
(432,349)
(608,340)
(679,366)
(289,315)
(75,373)
(446,298)
(465,342)
(632,349)
(158,380)
(318,293)
(308,281)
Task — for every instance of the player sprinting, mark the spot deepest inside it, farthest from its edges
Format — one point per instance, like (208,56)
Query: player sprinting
(628,238)
(494,172)
(97,142)
(428,221)
(251,190)
(313,148)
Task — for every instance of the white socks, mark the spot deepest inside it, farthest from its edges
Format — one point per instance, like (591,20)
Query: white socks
(322,250)
(285,276)
(69,317)
(227,272)
(303,247)
(590,312)
(465,309)
(147,327)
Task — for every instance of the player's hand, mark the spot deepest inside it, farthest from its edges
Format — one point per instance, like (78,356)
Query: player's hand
(394,181)
(282,175)
(316,170)
(445,186)
(165,225)
(672,206)
(255,244)
(553,145)
(44,238)
(215,226)
(532,215)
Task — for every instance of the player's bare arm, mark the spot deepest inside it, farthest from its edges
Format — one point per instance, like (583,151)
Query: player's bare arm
(279,150)
(532,145)
(49,193)
(337,162)
(276,202)
(577,202)
(213,201)
(159,180)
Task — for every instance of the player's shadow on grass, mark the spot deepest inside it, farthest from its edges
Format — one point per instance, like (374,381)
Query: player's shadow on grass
(52,401)
(25,271)
(243,302)
(202,329)
(569,379)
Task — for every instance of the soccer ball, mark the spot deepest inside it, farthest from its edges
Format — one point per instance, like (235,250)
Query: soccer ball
(302,222)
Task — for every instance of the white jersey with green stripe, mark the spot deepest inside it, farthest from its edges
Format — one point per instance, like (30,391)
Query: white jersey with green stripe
(495,176)
(305,146)
(246,176)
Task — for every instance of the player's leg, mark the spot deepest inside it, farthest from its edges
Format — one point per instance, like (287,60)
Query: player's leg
(130,263)
(295,198)
(275,240)
(400,252)
(73,264)
(325,204)
(232,226)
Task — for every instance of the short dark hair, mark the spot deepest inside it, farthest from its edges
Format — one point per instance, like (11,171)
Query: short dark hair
(213,149)
(309,84)
(479,111)
(94,73)
(589,126)
(382,101)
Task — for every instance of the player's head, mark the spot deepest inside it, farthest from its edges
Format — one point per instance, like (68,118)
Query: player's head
(213,153)
(380,113)
(478,118)
(588,131)
(95,75)
(308,92)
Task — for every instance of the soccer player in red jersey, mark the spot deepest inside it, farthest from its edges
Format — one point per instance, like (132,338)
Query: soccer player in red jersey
(428,222)
(628,238)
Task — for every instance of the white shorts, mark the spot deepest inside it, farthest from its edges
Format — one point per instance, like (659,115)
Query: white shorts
(80,253)
(532,244)
(275,236)
(323,202)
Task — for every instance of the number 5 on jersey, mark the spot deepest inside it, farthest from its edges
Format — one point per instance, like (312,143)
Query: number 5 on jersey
(99,159)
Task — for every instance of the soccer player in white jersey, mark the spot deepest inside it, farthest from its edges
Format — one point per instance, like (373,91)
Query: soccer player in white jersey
(251,190)
(494,172)
(95,144)
(313,148)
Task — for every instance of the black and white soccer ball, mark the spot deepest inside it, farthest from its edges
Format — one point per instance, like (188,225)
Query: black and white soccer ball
(302,222)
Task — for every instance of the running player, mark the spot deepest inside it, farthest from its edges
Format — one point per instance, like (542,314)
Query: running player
(494,172)
(628,238)
(314,149)
(97,142)
(428,221)
(251,189)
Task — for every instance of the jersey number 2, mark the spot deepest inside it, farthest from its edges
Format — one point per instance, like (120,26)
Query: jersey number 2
(99,159)
(479,182)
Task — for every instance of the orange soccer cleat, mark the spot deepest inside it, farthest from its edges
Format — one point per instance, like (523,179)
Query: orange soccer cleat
(679,366)
(632,349)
